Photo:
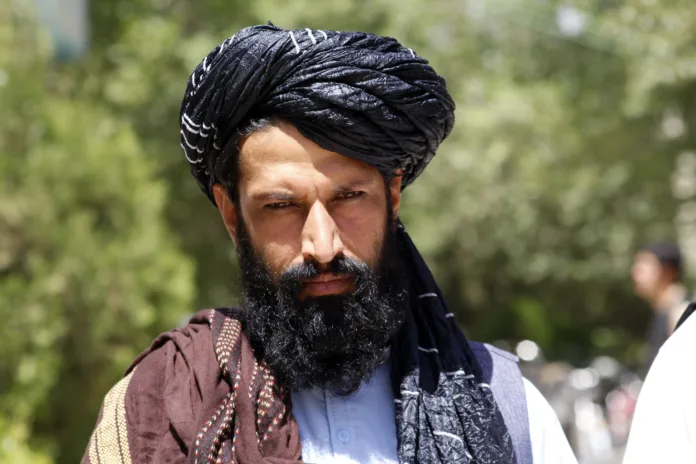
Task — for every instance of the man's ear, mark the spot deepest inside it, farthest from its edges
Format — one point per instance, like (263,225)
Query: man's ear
(227,209)
(395,193)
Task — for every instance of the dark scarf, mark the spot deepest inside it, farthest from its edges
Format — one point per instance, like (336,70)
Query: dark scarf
(444,412)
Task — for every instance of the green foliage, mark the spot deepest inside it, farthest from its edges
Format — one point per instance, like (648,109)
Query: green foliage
(89,270)
(560,165)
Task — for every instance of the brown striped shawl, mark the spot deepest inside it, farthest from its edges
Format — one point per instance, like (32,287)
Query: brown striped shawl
(155,413)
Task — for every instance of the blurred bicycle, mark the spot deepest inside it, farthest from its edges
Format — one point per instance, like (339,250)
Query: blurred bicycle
(595,404)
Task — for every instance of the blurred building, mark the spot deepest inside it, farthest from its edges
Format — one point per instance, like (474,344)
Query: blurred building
(68,25)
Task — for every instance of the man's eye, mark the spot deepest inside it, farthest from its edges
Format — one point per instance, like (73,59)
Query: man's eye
(280,205)
(349,195)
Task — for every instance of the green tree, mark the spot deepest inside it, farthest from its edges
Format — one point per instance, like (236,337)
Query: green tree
(89,270)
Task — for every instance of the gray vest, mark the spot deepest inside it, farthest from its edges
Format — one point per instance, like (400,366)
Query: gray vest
(501,372)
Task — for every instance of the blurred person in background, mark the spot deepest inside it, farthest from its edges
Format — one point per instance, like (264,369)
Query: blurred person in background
(343,350)
(664,424)
(657,279)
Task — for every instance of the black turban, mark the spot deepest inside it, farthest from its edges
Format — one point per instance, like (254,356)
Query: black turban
(357,94)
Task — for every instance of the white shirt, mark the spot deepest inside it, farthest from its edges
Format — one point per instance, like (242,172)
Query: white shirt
(361,429)
(664,424)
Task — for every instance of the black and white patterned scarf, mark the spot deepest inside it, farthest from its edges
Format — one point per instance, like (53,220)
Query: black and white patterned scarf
(445,413)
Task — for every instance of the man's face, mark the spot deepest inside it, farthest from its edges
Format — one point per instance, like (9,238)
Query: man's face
(302,203)
(317,248)
(647,275)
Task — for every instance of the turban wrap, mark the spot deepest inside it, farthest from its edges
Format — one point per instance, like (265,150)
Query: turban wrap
(368,98)
(357,94)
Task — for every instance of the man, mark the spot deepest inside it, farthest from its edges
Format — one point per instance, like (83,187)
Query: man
(656,275)
(343,349)
(664,424)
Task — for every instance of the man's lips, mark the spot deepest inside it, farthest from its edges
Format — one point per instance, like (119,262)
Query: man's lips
(326,277)
(327,284)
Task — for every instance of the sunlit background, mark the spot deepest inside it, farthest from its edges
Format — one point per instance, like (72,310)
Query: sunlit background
(573,146)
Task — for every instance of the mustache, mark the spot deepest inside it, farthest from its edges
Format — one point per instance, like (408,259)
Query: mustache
(293,277)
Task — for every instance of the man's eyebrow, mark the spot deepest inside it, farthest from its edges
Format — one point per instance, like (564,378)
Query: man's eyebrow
(353,185)
(274,196)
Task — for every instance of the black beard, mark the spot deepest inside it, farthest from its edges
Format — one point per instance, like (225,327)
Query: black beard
(331,342)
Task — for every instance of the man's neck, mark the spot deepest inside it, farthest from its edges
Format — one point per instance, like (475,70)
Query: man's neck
(670,296)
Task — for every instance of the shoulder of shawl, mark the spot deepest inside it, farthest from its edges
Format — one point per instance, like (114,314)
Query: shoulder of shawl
(220,327)
(189,341)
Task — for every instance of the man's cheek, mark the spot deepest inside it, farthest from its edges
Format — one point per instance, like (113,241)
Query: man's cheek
(273,260)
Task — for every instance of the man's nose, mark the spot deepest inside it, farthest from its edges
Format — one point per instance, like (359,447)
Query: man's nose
(321,241)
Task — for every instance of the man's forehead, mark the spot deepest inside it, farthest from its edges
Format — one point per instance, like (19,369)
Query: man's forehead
(281,152)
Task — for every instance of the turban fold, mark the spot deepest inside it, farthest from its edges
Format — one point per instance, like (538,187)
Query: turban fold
(361,95)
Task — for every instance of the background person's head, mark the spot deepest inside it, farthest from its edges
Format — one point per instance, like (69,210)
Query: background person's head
(655,268)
